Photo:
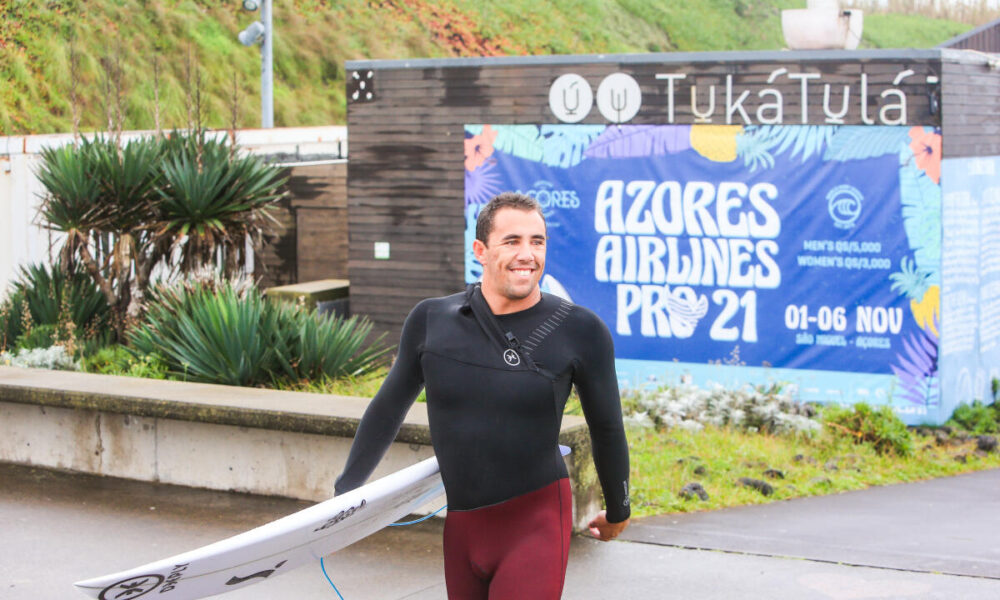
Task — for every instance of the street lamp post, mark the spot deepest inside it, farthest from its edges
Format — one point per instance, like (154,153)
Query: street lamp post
(266,69)
(263,32)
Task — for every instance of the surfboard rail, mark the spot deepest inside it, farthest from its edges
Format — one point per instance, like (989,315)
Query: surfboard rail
(277,547)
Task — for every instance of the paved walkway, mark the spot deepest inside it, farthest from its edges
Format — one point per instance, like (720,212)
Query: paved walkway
(937,539)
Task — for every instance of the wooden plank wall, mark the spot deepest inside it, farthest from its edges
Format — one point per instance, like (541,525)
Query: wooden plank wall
(310,240)
(406,176)
(970,101)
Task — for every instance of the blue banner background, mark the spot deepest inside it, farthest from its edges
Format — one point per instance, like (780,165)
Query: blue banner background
(859,215)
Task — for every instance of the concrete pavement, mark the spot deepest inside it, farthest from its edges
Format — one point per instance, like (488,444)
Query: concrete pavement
(937,539)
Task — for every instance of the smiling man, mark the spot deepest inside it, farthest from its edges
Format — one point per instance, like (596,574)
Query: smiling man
(498,362)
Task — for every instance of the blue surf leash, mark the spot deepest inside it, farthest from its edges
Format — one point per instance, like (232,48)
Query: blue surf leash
(413,522)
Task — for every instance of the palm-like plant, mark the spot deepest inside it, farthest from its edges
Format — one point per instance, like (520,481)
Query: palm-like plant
(126,209)
(211,202)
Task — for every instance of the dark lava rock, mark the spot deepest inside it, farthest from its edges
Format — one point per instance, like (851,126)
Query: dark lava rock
(961,458)
(689,491)
(831,466)
(774,474)
(799,457)
(941,437)
(700,470)
(763,487)
(986,443)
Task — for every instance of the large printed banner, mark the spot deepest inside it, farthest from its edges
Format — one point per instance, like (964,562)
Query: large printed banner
(808,254)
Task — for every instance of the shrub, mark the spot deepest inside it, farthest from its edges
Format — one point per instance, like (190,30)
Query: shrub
(764,409)
(118,360)
(39,336)
(12,313)
(977,418)
(53,357)
(220,334)
(49,306)
(879,427)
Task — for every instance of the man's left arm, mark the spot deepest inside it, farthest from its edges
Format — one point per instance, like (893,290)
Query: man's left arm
(597,384)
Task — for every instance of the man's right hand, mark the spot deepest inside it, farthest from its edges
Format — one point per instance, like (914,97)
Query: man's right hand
(601,529)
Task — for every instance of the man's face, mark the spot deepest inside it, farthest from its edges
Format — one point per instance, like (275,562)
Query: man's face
(513,259)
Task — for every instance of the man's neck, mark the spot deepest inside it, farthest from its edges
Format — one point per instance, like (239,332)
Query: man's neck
(501,305)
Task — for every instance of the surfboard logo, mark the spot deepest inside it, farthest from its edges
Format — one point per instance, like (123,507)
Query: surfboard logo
(511,357)
(235,580)
(340,517)
(133,587)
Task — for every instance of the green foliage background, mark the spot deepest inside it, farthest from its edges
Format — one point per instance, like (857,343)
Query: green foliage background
(46,45)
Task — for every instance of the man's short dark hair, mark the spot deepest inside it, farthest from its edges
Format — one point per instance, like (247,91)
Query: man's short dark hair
(484,224)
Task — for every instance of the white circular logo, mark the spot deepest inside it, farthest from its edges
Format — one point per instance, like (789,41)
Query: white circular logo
(844,205)
(511,358)
(619,97)
(570,98)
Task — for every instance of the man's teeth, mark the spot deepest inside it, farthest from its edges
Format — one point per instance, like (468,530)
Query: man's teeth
(522,271)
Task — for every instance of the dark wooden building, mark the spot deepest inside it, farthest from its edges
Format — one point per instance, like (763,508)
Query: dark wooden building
(985,38)
(308,240)
(406,124)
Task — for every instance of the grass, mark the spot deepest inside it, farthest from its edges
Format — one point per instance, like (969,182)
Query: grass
(663,463)
(48,49)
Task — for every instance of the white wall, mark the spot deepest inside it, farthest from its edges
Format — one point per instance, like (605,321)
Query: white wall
(22,241)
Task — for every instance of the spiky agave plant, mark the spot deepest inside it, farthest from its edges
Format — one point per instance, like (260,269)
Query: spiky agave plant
(219,333)
(212,201)
(326,346)
(99,195)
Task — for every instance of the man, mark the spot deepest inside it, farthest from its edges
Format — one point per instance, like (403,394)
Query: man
(498,362)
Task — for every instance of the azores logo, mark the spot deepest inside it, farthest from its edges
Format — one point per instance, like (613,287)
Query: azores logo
(844,204)
(551,199)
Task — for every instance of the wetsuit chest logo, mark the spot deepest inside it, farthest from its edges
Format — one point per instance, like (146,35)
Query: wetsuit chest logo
(511,357)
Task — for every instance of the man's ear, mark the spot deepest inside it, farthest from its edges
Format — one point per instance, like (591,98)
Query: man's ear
(478,248)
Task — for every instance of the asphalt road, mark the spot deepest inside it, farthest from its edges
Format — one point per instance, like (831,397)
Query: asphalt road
(936,539)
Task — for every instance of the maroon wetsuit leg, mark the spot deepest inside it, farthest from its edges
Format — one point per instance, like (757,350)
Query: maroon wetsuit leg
(516,549)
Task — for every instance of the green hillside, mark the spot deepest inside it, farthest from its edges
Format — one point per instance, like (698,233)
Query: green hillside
(115,56)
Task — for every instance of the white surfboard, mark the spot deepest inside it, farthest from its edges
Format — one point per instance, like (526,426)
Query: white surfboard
(279,546)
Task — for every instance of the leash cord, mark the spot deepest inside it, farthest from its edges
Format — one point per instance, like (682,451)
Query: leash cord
(414,522)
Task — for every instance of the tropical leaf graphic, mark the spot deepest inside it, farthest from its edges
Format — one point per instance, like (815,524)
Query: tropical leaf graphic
(917,369)
(473,270)
(521,141)
(910,280)
(857,142)
(564,145)
(755,151)
(921,210)
(630,141)
(759,144)
(482,184)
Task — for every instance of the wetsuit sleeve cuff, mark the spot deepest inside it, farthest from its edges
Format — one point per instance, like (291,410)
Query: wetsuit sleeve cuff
(617,516)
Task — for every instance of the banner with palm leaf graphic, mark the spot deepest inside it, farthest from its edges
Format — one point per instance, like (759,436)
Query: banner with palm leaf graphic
(801,254)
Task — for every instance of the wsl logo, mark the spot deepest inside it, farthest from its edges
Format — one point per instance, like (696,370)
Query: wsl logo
(552,199)
(844,204)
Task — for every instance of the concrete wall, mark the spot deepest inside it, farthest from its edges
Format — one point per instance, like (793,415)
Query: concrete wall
(217,437)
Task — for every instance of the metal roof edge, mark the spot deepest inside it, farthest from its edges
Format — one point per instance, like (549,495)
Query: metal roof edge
(664,57)
(964,36)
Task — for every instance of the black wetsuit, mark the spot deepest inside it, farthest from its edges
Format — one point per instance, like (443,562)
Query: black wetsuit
(495,416)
